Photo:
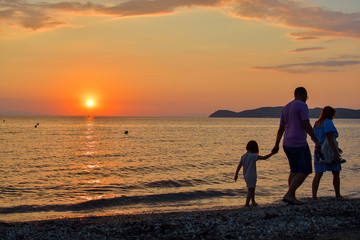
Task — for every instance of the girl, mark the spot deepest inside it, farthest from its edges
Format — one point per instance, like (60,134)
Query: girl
(248,160)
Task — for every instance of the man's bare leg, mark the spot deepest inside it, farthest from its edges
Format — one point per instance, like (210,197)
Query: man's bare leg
(297,180)
(291,176)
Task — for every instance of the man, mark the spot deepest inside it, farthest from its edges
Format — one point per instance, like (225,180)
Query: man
(294,122)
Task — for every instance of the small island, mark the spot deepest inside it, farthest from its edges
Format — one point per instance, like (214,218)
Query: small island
(275,112)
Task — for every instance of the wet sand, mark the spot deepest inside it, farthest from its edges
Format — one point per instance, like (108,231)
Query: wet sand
(326,219)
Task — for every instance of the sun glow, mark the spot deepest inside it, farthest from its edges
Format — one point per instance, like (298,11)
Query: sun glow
(90,103)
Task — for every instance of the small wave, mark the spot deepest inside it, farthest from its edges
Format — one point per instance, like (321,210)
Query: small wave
(10,132)
(102,155)
(110,155)
(172,184)
(121,201)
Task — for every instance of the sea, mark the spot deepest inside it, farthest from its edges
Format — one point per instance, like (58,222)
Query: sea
(62,166)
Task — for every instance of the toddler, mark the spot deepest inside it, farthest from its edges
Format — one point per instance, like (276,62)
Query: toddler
(248,161)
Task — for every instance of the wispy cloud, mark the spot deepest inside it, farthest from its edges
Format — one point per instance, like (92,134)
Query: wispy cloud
(31,16)
(46,15)
(309,35)
(307,49)
(343,57)
(306,38)
(326,66)
(146,7)
(318,21)
(296,14)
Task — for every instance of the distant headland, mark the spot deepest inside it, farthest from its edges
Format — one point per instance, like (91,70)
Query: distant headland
(275,112)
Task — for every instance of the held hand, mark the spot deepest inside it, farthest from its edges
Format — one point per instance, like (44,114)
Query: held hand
(318,147)
(340,151)
(319,154)
(337,155)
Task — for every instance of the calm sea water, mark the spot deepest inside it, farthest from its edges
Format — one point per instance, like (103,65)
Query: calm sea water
(82,166)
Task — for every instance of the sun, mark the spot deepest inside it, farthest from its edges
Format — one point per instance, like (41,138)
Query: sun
(90,103)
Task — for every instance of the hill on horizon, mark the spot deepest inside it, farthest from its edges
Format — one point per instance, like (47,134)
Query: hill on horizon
(275,112)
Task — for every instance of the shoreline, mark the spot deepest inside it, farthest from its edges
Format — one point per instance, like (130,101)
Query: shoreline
(327,218)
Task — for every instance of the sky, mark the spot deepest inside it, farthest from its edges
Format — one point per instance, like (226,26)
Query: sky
(176,57)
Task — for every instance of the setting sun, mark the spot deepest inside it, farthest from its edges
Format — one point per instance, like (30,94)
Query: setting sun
(90,103)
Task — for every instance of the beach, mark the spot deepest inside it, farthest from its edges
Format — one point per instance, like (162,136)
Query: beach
(327,218)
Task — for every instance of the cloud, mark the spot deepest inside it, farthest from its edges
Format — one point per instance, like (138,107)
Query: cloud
(31,16)
(307,38)
(40,15)
(300,15)
(146,7)
(317,21)
(307,49)
(326,66)
(343,56)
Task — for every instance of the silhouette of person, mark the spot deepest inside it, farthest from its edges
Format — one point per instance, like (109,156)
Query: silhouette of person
(324,128)
(295,125)
(248,162)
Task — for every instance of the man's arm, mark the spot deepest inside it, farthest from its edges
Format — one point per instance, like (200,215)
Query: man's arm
(309,130)
(279,135)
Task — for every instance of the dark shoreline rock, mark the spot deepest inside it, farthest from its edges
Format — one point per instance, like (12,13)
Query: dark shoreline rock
(312,220)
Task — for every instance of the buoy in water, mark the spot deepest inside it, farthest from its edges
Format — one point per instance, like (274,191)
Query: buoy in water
(126,132)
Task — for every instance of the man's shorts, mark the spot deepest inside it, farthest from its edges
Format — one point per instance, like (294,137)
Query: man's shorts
(299,159)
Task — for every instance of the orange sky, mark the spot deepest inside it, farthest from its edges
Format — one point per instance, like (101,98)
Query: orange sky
(164,58)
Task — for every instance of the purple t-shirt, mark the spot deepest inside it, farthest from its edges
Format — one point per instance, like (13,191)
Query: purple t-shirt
(291,116)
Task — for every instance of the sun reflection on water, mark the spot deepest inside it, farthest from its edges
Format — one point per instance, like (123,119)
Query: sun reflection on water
(90,138)
(91,198)
(91,166)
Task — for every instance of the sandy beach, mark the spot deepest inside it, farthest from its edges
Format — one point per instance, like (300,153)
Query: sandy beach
(327,218)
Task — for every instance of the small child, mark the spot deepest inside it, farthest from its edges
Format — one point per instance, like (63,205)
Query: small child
(248,160)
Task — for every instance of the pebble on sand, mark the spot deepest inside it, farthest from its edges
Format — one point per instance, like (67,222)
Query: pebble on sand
(312,220)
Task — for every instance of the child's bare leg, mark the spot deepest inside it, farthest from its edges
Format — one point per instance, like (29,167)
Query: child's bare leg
(248,197)
(251,193)
(253,197)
